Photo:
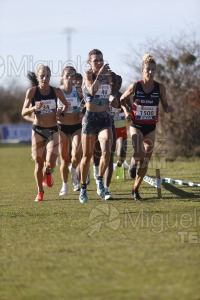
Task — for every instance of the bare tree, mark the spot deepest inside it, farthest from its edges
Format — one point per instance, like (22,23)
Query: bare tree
(178,68)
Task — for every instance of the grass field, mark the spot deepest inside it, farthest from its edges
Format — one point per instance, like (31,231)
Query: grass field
(122,249)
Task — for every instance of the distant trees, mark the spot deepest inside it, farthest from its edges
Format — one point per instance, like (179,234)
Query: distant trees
(178,68)
(11,101)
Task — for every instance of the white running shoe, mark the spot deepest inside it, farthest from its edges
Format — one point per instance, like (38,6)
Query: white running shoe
(76,187)
(108,196)
(64,190)
(83,198)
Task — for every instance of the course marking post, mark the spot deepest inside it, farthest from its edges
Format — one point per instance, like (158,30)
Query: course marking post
(158,180)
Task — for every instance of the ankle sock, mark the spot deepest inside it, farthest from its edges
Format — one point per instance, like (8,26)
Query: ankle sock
(83,186)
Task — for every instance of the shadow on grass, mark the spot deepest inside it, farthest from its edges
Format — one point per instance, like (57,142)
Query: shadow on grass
(130,198)
(180,193)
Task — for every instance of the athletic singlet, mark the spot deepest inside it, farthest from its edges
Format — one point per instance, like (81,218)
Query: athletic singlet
(73,100)
(145,106)
(101,98)
(49,102)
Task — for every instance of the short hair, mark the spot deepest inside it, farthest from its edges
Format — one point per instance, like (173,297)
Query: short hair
(94,52)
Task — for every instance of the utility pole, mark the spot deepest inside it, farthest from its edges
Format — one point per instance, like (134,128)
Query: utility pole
(68,31)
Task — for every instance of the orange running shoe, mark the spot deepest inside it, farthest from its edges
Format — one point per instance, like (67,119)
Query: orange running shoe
(39,196)
(49,180)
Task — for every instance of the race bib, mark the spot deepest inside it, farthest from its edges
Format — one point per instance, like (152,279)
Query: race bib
(146,112)
(104,91)
(48,107)
(72,104)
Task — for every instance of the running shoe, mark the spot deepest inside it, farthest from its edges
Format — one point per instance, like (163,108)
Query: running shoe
(108,196)
(76,187)
(136,195)
(119,172)
(39,196)
(64,190)
(132,171)
(100,188)
(49,179)
(83,198)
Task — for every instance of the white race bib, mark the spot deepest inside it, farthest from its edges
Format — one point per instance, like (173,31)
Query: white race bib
(104,91)
(72,104)
(48,107)
(146,112)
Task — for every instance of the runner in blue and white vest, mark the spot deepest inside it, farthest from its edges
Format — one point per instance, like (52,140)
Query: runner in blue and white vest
(70,131)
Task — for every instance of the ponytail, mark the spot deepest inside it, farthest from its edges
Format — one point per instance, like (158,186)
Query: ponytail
(32,78)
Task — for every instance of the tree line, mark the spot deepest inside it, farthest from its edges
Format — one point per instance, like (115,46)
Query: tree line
(178,68)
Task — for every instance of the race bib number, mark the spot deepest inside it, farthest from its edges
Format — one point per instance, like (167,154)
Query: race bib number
(146,112)
(72,104)
(104,91)
(48,107)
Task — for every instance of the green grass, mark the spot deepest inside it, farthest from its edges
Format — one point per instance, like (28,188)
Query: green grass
(61,249)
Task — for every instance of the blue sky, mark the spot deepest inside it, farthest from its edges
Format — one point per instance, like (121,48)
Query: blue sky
(33,31)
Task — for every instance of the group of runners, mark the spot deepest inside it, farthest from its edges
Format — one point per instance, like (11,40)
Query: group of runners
(81,121)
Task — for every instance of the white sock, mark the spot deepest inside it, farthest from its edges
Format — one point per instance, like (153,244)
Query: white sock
(65,185)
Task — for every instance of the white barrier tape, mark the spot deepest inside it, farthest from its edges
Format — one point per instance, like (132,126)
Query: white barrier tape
(150,181)
(157,182)
(180,182)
